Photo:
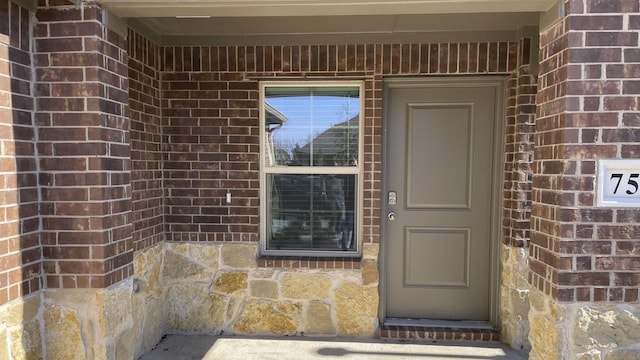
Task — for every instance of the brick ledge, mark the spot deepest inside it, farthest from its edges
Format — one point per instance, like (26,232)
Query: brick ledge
(310,262)
(430,333)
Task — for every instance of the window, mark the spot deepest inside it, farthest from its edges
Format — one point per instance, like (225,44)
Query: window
(311,169)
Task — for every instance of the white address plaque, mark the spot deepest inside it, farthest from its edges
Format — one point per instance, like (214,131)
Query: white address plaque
(618,183)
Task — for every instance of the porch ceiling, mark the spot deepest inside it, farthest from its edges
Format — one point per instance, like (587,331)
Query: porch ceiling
(312,17)
(244,8)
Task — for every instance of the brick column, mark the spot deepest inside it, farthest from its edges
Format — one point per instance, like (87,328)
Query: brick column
(82,109)
(520,129)
(82,116)
(20,251)
(584,260)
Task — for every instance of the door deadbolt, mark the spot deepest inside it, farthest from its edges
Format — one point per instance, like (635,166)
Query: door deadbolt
(391,216)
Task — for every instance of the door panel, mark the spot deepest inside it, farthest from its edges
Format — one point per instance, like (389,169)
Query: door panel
(452,124)
(449,266)
(439,161)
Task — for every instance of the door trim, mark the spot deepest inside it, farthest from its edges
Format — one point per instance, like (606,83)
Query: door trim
(498,83)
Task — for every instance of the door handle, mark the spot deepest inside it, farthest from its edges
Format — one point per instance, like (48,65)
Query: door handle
(391,216)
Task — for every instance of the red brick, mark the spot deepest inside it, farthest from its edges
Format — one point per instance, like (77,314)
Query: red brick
(620,103)
(622,71)
(59,45)
(634,21)
(593,87)
(631,87)
(621,135)
(627,279)
(611,39)
(63,14)
(584,279)
(620,6)
(595,55)
(585,247)
(595,22)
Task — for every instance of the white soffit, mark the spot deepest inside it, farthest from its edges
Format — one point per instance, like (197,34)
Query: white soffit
(251,8)
(357,24)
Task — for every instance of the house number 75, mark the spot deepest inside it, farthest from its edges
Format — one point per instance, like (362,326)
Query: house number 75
(618,183)
(631,185)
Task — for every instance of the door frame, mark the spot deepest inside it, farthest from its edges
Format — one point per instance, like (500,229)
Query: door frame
(498,83)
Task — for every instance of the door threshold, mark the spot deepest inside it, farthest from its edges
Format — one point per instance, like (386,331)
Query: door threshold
(429,323)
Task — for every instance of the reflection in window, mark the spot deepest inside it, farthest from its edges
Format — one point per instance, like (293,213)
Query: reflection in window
(310,164)
(312,126)
(311,211)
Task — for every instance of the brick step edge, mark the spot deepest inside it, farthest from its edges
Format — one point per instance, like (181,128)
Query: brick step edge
(437,333)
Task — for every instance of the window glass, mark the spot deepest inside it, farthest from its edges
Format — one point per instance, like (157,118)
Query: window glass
(311,172)
(311,211)
(312,126)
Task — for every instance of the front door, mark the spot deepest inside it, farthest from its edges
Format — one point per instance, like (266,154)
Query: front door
(439,185)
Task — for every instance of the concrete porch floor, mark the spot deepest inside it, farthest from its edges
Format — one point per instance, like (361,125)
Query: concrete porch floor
(203,347)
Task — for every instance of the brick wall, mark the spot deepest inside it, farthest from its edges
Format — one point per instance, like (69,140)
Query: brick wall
(587,110)
(544,233)
(516,199)
(210,119)
(210,123)
(146,141)
(520,130)
(20,251)
(83,130)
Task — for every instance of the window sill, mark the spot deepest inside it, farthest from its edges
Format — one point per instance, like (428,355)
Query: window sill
(310,262)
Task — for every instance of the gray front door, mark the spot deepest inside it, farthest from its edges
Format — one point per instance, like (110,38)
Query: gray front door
(439,164)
